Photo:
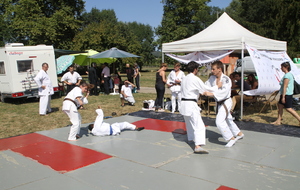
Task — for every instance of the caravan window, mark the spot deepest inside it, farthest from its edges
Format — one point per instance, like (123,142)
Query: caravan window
(25,65)
(2,68)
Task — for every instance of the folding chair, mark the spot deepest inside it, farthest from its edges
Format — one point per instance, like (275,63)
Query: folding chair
(201,103)
(211,103)
(271,101)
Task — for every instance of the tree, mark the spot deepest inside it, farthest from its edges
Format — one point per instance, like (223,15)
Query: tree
(44,21)
(4,32)
(105,35)
(234,10)
(184,18)
(145,36)
(97,16)
(276,19)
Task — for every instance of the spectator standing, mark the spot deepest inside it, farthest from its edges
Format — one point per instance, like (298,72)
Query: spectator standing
(93,78)
(137,75)
(160,87)
(44,83)
(71,78)
(286,94)
(117,82)
(129,73)
(106,78)
(174,83)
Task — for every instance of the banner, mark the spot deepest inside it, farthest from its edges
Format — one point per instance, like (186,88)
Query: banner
(200,57)
(267,65)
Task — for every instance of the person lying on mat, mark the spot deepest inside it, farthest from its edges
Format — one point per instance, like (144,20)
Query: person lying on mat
(100,128)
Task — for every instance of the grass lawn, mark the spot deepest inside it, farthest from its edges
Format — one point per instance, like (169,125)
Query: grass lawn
(22,117)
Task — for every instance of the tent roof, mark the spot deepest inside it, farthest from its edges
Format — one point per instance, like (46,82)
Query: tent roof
(224,34)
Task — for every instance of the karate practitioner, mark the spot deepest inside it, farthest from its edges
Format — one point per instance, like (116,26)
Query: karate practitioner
(224,120)
(71,79)
(44,83)
(191,87)
(71,103)
(100,128)
(126,93)
(174,83)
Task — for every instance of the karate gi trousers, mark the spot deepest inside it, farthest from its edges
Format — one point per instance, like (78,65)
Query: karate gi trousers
(173,100)
(225,124)
(45,104)
(118,127)
(75,119)
(195,128)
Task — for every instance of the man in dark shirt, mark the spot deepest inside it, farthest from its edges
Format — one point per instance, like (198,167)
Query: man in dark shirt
(93,78)
(130,73)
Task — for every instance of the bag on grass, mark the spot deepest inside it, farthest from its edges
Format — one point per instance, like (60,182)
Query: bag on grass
(148,104)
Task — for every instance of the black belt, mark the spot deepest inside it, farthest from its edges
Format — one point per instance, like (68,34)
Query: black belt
(185,99)
(220,103)
(73,102)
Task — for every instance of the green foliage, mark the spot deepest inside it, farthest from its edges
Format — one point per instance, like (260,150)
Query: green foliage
(145,36)
(101,31)
(184,18)
(276,19)
(97,16)
(43,21)
(105,35)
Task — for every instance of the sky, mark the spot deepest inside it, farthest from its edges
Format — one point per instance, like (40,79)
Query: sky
(142,11)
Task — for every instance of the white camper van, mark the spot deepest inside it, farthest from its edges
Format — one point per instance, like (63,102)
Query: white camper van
(248,65)
(19,65)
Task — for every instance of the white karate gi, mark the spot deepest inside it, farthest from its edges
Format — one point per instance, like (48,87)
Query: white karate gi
(191,87)
(128,92)
(175,89)
(225,124)
(71,78)
(104,129)
(43,79)
(71,110)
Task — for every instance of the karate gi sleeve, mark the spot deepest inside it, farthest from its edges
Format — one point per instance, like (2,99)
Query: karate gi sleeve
(99,119)
(85,100)
(207,87)
(63,78)
(37,79)
(169,80)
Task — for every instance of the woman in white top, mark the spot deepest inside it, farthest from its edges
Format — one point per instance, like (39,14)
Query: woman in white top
(174,83)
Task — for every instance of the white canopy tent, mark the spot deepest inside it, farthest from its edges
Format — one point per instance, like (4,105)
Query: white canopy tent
(224,34)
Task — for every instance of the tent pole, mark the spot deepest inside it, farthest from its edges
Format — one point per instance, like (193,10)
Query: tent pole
(162,57)
(242,78)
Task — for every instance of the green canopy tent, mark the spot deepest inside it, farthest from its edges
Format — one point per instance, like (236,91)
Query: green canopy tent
(84,59)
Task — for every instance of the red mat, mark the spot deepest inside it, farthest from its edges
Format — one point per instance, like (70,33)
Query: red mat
(225,188)
(60,156)
(162,125)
